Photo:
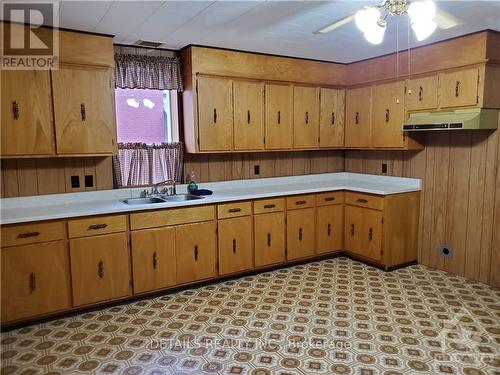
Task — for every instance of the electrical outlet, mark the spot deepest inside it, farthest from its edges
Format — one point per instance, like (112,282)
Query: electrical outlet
(89,180)
(256,170)
(446,250)
(75,182)
(384,167)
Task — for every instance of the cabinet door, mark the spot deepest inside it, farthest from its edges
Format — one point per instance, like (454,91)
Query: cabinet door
(422,93)
(459,89)
(330,228)
(100,268)
(215,114)
(353,229)
(358,117)
(35,280)
(235,245)
(300,229)
(388,115)
(84,111)
(196,252)
(372,234)
(305,117)
(248,115)
(269,241)
(279,116)
(26,113)
(331,125)
(153,259)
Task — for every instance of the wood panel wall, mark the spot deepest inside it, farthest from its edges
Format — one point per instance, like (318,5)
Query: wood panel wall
(460,203)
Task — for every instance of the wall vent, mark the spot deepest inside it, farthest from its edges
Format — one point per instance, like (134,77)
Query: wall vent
(148,44)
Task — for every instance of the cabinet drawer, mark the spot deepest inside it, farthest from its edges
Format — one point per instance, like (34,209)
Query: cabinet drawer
(32,233)
(171,217)
(235,209)
(364,200)
(300,201)
(325,199)
(268,205)
(94,226)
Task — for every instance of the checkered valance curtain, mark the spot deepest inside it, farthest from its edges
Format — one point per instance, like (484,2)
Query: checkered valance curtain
(148,72)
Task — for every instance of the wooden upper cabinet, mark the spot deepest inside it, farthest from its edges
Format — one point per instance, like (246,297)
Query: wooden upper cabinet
(26,113)
(388,115)
(459,89)
(248,115)
(358,117)
(331,124)
(422,93)
(305,117)
(279,117)
(84,111)
(215,114)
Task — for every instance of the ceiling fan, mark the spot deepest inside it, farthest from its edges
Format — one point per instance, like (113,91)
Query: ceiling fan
(424,16)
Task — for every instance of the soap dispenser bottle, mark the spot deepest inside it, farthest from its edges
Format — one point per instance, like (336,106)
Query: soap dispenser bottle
(192,187)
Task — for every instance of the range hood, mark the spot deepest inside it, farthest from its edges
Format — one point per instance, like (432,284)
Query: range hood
(460,119)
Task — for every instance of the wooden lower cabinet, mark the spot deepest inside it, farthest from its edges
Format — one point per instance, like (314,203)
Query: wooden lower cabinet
(300,233)
(100,268)
(153,259)
(329,228)
(196,252)
(363,232)
(269,236)
(235,245)
(35,280)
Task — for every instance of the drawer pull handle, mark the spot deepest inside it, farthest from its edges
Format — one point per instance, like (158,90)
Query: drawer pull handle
(28,234)
(269,205)
(32,282)
(300,234)
(100,269)
(233,210)
(279,117)
(329,230)
(196,252)
(83,112)
(457,89)
(370,234)
(333,118)
(329,199)
(307,118)
(155,260)
(362,200)
(234,245)
(357,118)
(387,113)
(269,240)
(300,203)
(215,115)
(352,230)
(97,226)
(15,110)
(248,117)
(421,94)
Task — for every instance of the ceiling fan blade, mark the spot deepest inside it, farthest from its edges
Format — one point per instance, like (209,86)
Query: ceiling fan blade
(335,25)
(446,20)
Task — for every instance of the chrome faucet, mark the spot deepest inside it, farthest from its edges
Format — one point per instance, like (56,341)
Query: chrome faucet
(171,190)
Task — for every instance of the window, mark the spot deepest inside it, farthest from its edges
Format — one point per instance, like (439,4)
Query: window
(144,116)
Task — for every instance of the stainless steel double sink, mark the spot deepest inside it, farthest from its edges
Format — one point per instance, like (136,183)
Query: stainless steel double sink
(161,199)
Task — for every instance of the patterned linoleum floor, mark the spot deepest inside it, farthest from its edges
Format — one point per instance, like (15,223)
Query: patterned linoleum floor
(336,316)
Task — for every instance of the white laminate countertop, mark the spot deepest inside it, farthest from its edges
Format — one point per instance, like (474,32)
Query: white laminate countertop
(60,206)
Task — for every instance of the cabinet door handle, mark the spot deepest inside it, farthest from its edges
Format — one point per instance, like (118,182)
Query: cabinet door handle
(300,234)
(83,112)
(32,282)
(97,226)
(279,117)
(155,260)
(28,234)
(329,199)
(421,94)
(232,210)
(307,118)
(100,269)
(15,110)
(333,118)
(361,200)
(248,117)
(215,115)
(357,118)
(300,203)
(457,89)
(387,112)
(329,230)
(234,245)
(269,205)
(269,240)
(195,252)
(370,234)
(352,230)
